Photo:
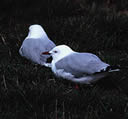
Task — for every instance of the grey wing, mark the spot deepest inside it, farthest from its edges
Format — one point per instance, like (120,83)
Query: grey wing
(49,45)
(31,49)
(79,64)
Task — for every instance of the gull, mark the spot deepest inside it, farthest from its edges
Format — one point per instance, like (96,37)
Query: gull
(78,67)
(36,42)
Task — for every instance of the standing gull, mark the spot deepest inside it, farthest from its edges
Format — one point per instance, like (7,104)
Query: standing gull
(78,67)
(36,42)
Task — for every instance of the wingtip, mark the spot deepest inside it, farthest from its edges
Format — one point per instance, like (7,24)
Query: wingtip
(113,68)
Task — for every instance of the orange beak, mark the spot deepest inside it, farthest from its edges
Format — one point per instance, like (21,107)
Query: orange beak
(45,53)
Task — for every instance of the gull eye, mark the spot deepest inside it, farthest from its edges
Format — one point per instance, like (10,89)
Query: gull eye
(55,51)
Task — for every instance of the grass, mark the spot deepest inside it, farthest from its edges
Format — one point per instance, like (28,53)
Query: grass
(33,92)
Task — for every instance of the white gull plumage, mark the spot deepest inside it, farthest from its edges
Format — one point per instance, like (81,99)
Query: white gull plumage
(78,67)
(36,42)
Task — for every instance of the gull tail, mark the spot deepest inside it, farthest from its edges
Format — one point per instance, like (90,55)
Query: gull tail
(113,68)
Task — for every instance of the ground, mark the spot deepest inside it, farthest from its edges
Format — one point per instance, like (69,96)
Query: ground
(31,91)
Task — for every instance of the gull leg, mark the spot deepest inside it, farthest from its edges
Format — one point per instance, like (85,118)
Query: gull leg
(76,86)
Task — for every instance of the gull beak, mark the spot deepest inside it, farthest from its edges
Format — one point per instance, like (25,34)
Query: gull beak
(45,53)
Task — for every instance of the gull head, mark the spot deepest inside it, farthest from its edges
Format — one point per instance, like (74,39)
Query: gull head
(36,31)
(59,52)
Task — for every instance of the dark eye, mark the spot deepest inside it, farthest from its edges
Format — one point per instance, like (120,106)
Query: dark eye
(55,51)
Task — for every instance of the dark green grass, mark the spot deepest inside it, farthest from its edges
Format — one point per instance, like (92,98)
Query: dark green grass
(31,91)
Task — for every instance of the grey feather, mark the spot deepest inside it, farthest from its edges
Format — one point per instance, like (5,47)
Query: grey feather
(81,64)
(31,49)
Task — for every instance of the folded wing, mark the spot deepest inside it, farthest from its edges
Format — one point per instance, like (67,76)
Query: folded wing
(79,64)
(32,48)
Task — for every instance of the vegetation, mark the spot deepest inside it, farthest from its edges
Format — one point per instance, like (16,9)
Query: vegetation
(31,91)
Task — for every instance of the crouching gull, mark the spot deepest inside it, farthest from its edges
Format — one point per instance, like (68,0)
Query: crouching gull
(78,67)
(36,42)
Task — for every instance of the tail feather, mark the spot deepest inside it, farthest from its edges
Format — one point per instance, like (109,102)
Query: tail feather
(112,68)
